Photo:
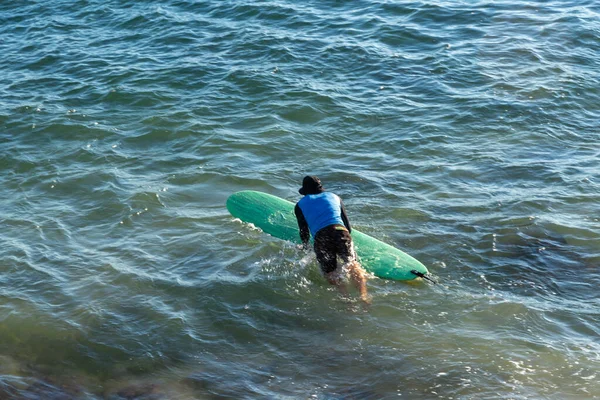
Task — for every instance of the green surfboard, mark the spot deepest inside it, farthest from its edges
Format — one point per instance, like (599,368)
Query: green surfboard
(276,217)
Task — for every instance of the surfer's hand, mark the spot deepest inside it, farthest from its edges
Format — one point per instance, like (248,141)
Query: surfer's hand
(303,246)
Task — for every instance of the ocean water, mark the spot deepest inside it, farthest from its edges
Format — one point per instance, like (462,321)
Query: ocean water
(466,133)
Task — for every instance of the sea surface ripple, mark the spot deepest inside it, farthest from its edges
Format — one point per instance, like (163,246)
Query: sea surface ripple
(463,132)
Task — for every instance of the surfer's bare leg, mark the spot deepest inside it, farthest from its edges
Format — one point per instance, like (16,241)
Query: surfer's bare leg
(357,274)
(335,279)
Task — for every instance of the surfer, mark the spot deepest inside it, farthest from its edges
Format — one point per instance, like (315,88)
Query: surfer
(322,214)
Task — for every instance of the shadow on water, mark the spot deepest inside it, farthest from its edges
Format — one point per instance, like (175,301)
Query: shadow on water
(535,260)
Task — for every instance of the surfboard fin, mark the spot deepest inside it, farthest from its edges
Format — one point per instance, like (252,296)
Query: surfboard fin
(422,275)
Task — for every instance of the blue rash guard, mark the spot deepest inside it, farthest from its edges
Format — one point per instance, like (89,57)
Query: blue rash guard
(319,211)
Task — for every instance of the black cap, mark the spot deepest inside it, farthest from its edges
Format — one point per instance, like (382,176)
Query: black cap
(311,185)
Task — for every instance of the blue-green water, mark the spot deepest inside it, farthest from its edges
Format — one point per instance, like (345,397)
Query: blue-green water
(463,132)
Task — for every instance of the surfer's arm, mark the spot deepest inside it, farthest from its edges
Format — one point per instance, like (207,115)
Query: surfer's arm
(302,225)
(345,218)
